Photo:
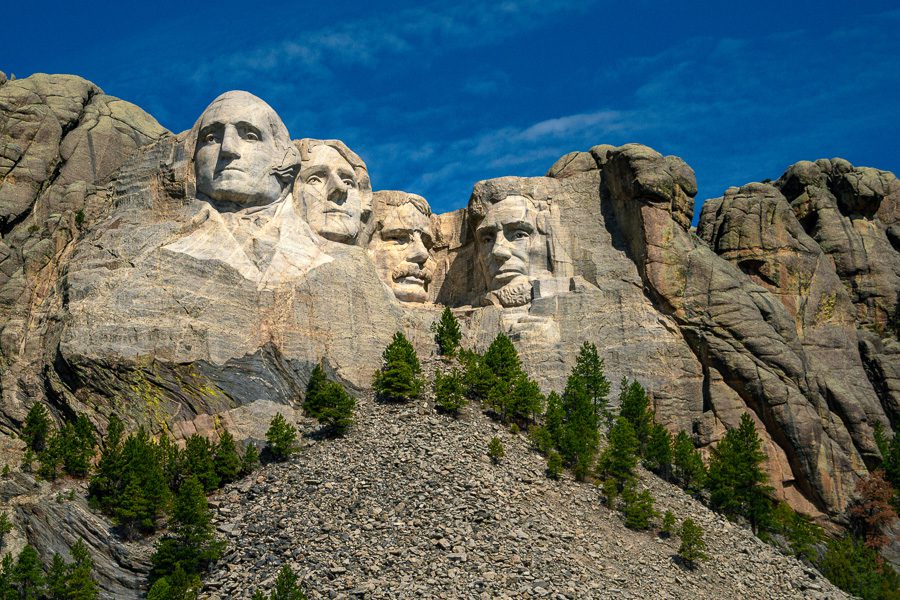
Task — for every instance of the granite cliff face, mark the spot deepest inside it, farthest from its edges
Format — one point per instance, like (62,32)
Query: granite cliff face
(148,274)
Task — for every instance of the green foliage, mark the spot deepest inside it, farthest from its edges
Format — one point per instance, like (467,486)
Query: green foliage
(250,460)
(161,590)
(737,479)
(36,430)
(286,586)
(5,526)
(801,533)
(446,333)
(610,492)
(258,595)
(589,370)
(658,451)
(637,507)
(56,579)
(522,401)
(554,464)
(541,440)
(555,418)
(399,379)
(890,463)
(70,449)
(177,586)
(855,568)
(281,438)
(328,402)
(668,524)
(191,543)
(692,548)
(502,359)
(450,391)
(578,434)
(226,459)
(477,376)
(79,218)
(893,323)
(496,450)
(634,405)
(6,471)
(80,583)
(687,464)
(142,495)
(620,456)
(28,575)
(197,459)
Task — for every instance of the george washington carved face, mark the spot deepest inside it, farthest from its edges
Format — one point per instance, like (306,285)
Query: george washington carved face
(243,155)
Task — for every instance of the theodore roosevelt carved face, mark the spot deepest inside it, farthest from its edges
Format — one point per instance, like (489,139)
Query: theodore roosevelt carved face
(401,242)
(243,155)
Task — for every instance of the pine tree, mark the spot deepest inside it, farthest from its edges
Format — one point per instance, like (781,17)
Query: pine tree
(161,590)
(191,543)
(331,405)
(399,379)
(871,512)
(281,438)
(554,464)
(502,359)
(80,584)
(286,586)
(658,452)
(56,579)
(496,450)
(36,429)
(620,456)
(28,574)
(541,440)
(5,526)
(7,588)
(78,446)
(890,463)
(524,401)
(692,548)
(250,460)
(477,376)
(589,369)
(105,482)
(171,459)
(736,478)
(258,595)
(446,333)
(637,507)
(687,464)
(450,392)
(578,434)
(312,401)
(142,493)
(226,458)
(668,524)
(634,405)
(555,418)
(197,459)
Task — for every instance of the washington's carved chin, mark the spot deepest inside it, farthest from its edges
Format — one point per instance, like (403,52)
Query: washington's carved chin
(514,294)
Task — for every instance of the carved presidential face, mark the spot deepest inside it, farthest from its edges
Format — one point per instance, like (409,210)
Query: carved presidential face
(510,249)
(331,193)
(237,153)
(400,252)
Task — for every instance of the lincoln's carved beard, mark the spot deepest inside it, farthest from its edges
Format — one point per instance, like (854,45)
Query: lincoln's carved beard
(514,294)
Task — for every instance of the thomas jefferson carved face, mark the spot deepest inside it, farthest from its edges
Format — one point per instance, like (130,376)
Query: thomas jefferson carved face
(241,147)
(510,249)
(331,192)
(400,246)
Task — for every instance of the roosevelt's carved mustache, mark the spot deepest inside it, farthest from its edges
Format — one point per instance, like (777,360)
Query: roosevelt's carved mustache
(408,270)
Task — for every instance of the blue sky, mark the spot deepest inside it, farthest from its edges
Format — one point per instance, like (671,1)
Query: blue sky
(437,95)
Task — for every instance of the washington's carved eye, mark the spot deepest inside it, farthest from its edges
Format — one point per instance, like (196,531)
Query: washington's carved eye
(251,136)
(399,238)
(350,182)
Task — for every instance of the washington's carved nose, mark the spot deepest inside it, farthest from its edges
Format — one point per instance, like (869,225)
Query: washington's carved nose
(230,143)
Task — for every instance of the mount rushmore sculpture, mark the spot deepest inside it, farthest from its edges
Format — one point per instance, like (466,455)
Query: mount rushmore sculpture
(174,279)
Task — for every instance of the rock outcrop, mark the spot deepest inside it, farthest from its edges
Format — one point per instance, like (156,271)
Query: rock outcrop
(177,280)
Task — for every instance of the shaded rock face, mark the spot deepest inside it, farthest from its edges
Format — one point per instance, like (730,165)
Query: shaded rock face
(125,289)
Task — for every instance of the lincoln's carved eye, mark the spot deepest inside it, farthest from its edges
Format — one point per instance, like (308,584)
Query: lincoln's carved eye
(520,234)
(210,138)
(313,179)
